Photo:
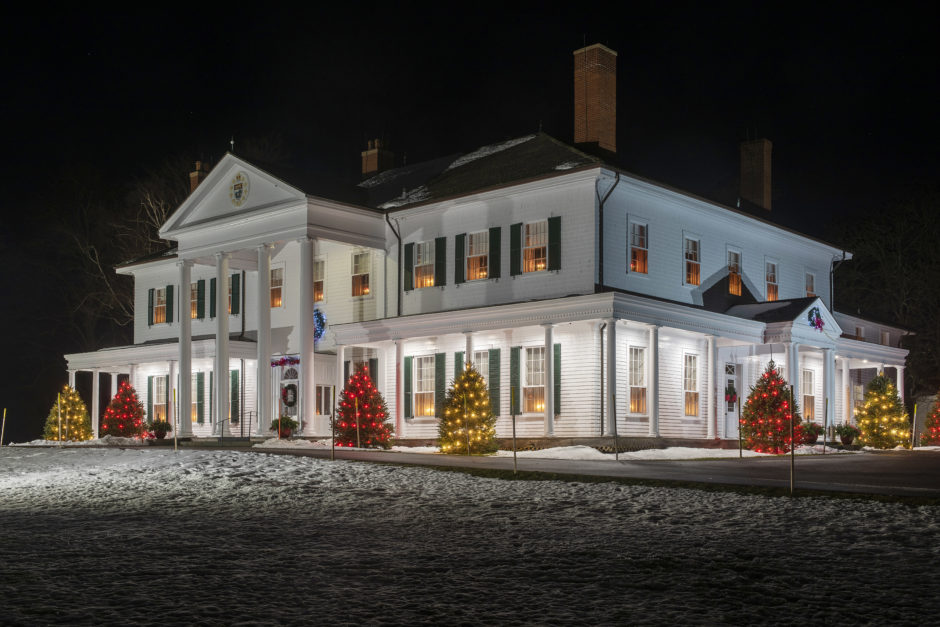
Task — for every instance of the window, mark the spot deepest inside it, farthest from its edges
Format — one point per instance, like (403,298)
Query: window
(885,338)
(325,400)
(319,270)
(859,333)
(734,273)
(478,245)
(810,284)
(690,384)
(692,263)
(277,287)
(637,380)
(808,386)
(159,305)
(193,301)
(361,263)
(424,386)
(770,271)
(533,390)
(196,396)
(639,249)
(424,264)
(159,399)
(535,247)
(481,361)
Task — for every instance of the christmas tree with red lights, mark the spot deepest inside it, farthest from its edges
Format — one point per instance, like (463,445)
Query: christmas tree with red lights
(68,411)
(124,416)
(362,419)
(768,413)
(931,435)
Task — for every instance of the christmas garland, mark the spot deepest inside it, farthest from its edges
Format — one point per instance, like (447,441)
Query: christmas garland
(285,361)
(815,319)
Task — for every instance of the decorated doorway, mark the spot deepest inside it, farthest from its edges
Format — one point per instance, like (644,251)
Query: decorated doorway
(731,400)
(289,392)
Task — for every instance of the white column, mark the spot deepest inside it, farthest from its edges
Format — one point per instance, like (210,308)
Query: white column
(611,382)
(114,385)
(829,391)
(468,347)
(264,340)
(653,382)
(399,388)
(95,404)
(846,393)
(900,382)
(711,427)
(132,376)
(171,387)
(186,351)
(549,380)
(72,379)
(221,342)
(308,390)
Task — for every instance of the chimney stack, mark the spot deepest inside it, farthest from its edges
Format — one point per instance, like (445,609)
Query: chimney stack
(755,172)
(198,175)
(595,97)
(375,158)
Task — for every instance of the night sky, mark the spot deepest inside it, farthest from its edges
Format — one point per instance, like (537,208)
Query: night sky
(847,95)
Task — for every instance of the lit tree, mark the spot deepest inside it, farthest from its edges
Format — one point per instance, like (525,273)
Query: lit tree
(362,416)
(882,418)
(125,414)
(931,437)
(469,425)
(76,424)
(767,414)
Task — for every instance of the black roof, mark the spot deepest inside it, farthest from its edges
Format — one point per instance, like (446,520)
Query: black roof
(772,311)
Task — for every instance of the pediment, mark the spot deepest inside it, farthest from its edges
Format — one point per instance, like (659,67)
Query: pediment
(791,320)
(232,189)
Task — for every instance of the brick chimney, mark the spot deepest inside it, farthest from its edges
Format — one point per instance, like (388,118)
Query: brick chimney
(595,97)
(376,158)
(755,171)
(198,175)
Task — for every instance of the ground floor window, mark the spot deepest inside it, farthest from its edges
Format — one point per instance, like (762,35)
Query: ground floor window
(533,390)
(159,399)
(481,361)
(325,400)
(637,380)
(808,386)
(424,385)
(690,384)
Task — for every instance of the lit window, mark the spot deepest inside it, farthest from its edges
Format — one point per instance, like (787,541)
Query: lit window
(325,400)
(810,284)
(637,380)
(424,385)
(159,399)
(533,390)
(692,263)
(159,305)
(196,403)
(734,273)
(424,264)
(481,361)
(808,387)
(535,248)
(277,287)
(639,249)
(319,269)
(360,274)
(478,246)
(771,274)
(193,301)
(229,282)
(885,338)
(859,333)
(690,384)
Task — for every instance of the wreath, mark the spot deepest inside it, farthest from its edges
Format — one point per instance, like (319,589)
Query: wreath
(815,319)
(731,394)
(319,325)
(289,395)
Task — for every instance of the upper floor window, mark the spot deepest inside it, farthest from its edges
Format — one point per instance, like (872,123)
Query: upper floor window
(159,305)
(637,380)
(277,287)
(361,263)
(533,390)
(859,333)
(424,264)
(318,272)
(810,284)
(639,248)
(734,272)
(478,246)
(770,271)
(535,247)
(692,262)
(690,384)
(885,338)
(424,385)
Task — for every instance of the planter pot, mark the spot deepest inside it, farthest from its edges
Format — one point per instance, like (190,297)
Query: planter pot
(159,434)
(847,439)
(285,433)
(810,438)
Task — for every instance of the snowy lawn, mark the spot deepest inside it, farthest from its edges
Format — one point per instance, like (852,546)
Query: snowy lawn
(149,536)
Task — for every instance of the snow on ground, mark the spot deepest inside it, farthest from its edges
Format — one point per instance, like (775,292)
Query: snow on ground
(674,452)
(153,537)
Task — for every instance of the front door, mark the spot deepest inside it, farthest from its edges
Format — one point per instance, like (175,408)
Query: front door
(731,400)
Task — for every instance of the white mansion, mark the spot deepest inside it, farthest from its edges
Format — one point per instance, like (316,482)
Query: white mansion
(593,301)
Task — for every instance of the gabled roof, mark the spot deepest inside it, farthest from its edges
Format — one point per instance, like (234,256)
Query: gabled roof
(772,311)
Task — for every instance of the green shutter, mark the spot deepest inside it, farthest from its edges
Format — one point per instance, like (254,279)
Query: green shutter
(212,300)
(440,261)
(557,381)
(514,378)
(373,368)
(169,304)
(346,372)
(440,383)
(458,364)
(494,381)
(150,306)
(408,391)
(200,396)
(493,263)
(150,398)
(554,243)
(460,241)
(236,295)
(201,299)
(211,394)
(166,397)
(234,392)
(515,249)
(409,267)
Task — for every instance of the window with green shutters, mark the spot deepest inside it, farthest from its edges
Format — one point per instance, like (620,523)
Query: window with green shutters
(527,379)
(160,305)
(158,397)
(476,256)
(424,385)
(535,246)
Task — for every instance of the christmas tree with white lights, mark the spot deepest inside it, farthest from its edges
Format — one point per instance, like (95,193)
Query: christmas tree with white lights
(468,426)
(882,419)
(70,412)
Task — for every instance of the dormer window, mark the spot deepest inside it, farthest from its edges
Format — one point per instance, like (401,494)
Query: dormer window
(361,263)
(318,272)
(810,282)
(734,273)
(693,275)
(770,272)
(639,248)
(277,287)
